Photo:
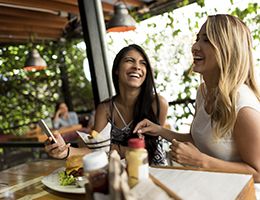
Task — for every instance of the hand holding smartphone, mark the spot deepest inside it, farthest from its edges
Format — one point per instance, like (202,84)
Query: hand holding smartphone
(47,131)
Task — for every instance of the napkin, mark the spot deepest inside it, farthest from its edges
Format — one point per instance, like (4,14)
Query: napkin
(101,140)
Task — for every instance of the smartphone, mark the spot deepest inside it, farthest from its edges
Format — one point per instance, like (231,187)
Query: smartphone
(46,130)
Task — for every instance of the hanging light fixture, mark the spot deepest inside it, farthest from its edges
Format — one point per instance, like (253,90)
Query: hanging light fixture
(34,61)
(122,20)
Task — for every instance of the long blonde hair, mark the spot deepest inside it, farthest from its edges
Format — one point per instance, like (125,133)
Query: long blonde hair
(231,40)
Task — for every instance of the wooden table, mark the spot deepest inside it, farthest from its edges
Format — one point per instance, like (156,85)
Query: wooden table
(14,148)
(37,137)
(24,181)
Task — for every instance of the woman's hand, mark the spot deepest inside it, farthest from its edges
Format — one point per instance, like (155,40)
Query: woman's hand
(58,113)
(57,150)
(186,153)
(147,127)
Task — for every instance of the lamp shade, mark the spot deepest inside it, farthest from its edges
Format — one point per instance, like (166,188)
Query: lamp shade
(121,21)
(34,61)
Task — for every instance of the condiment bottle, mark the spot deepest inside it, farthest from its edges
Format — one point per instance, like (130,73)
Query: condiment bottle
(96,170)
(137,161)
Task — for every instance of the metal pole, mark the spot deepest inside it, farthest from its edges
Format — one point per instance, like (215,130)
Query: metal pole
(94,30)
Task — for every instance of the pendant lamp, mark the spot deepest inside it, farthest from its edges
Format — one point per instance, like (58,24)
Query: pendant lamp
(121,21)
(34,61)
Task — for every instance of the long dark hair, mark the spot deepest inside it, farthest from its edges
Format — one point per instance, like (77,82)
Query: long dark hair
(143,106)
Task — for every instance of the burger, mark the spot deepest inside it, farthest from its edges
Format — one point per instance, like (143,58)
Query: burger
(73,169)
(74,166)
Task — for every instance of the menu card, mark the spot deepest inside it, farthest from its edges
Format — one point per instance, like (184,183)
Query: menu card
(147,189)
(201,185)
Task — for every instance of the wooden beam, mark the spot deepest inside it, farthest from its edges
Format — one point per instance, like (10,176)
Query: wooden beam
(8,41)
(25,38)
(107,7)
(71,2)
(31,21)
(48,5)
(26,34)
(30,14)
(135,3)
(32,29)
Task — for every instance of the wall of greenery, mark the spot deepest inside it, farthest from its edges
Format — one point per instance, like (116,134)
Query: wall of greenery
(167,39)
(27,96)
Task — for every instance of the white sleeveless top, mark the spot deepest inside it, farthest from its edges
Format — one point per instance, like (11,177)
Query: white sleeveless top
(202,132)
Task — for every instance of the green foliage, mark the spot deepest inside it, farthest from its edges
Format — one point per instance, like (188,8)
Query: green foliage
(168,46)
(252,18)
(242,14)
(184,3)
(27,96)
(201,3)
(80,87)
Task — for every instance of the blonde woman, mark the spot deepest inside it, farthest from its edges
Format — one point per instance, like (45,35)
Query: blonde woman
(225,132)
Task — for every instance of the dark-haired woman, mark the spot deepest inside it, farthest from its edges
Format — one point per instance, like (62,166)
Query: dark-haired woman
(63,117)
(136,99)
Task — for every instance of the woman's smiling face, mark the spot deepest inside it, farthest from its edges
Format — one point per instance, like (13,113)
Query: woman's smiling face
(132,69)
(204,56)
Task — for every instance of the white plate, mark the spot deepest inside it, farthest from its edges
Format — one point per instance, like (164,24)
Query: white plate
(52,181)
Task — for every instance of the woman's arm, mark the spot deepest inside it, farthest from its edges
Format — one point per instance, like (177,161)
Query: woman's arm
(57,115)
(62,150)
(101,116)
(247,139)
(150,128)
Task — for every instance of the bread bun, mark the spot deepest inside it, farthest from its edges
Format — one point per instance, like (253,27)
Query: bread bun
(74,164)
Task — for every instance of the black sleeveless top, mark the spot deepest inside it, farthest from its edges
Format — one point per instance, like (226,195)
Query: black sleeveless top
(120,136)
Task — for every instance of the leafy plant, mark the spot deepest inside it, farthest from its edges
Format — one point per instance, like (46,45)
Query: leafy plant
(27,96)
(168,46)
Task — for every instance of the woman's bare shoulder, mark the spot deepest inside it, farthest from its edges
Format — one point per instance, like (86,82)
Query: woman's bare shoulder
(102,115)
(163,102)
(104,105)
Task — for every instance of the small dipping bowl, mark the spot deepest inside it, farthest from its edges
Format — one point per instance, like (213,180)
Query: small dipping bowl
(81,181)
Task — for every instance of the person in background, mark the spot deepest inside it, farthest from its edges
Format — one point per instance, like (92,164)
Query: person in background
(225,132)
(63,117)
(136,99)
